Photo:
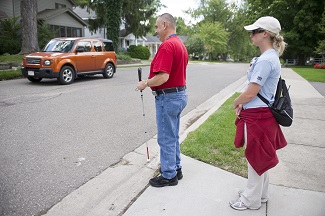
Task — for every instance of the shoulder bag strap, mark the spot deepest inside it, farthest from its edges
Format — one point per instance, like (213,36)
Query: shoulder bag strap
(277,94)
(263,99)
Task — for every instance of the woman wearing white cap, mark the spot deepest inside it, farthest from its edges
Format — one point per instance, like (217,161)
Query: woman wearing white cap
(257,129)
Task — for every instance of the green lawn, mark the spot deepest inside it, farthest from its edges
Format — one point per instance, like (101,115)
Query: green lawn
(10,74)
(310,74)
(213,141)
(11,58)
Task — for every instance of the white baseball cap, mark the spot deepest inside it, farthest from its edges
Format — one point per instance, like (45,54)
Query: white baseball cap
(268,23)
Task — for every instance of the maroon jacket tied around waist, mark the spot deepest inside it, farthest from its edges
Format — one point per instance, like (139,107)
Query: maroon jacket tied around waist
(264,137)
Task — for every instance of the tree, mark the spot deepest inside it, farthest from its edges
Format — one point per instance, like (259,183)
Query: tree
(110,13)
(214,36)
(181,27)
(239,42)
(231,18)
(212,11)
(321,44)
(152,23)
(195,46)
(298,20)
(10,37)
(136,15)
(45,33)
(28,10)
(110,19)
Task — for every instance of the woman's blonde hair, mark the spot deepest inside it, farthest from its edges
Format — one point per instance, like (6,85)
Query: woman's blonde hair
(278,42)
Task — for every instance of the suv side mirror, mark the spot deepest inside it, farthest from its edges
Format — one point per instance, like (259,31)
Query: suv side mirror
(80,49)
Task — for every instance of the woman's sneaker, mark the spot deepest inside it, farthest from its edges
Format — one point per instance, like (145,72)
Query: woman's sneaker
(238,205)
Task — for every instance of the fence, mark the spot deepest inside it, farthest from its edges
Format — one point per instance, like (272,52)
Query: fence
(318,60)
(290,62)
(312,61)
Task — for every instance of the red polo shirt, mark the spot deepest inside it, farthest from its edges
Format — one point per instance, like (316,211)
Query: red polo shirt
(171,58)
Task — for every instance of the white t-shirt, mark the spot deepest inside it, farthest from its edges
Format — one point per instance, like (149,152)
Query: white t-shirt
(265,71)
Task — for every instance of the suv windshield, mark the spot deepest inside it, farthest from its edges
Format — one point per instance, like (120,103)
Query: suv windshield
(59,46)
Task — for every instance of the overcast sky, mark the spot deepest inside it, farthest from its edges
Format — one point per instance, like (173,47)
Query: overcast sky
(176,8)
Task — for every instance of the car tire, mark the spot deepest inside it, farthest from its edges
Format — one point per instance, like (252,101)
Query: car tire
(109,71)
(67,75)
(33,79)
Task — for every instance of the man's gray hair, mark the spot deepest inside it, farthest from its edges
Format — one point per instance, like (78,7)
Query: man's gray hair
(169,18)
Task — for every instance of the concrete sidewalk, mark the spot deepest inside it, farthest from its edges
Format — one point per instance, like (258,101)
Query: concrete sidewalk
(297,182)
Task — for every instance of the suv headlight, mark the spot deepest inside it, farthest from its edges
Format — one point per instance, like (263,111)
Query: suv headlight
(47,62)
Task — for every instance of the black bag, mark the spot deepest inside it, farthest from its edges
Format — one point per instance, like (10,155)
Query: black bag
(281,108)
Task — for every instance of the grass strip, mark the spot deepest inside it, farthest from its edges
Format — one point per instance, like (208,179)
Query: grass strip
(10,74)
(213,141)
(310,74)
(11,58)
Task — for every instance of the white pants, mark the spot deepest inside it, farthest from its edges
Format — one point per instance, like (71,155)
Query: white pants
(257,186)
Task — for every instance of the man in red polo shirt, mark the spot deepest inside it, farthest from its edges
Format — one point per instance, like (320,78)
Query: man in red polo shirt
(167,79)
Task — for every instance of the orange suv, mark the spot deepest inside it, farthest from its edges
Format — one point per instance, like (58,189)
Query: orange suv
(69,58)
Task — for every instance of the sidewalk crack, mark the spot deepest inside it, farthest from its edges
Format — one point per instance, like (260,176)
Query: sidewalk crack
(301,144)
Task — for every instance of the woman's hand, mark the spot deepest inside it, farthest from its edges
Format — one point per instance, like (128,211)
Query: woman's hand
(238,109)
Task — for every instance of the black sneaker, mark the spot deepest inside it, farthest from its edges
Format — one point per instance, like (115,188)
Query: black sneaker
(160,181)
(179,173)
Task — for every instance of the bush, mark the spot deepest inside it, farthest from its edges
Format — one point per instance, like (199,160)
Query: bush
(123,56)
(9,46)
(45,34)
(10,38)
(140,52)
(320,66)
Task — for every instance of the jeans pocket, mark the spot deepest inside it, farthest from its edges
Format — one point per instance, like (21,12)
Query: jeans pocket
(175,104)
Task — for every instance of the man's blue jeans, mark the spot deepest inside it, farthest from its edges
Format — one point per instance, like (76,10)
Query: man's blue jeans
(168,111)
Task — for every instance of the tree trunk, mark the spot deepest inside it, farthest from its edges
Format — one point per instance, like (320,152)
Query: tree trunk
(301,59)
(28,10)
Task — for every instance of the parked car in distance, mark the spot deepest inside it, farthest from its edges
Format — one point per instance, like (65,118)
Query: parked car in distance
(68,58)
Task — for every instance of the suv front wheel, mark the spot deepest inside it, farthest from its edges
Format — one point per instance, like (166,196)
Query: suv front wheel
(66,75)
(108,71)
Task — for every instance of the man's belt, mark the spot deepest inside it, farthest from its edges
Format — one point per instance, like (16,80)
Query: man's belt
(168,90)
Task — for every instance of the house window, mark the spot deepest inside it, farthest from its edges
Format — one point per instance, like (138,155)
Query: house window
(78,32)
(56,30)
(64,31)
(69,32)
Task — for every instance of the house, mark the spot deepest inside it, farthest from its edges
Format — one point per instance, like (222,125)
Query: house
(87,14)
(126,40)
(152,43)
(56,13)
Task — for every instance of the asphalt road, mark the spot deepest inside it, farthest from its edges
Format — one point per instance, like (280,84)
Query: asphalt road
(55,138)
(319,86)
